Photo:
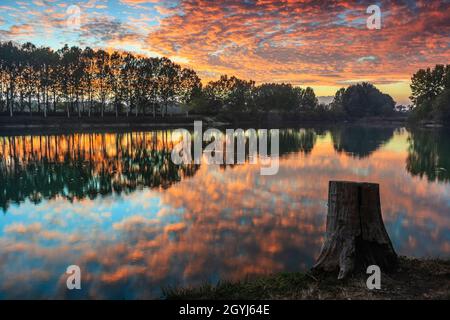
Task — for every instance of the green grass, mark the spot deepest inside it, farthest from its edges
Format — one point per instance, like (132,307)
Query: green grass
(414,279)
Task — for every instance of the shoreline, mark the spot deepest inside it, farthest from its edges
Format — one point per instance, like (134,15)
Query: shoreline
(414,279)
(58,124)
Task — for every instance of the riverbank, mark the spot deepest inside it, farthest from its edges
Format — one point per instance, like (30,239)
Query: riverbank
(414,279)
(61,124)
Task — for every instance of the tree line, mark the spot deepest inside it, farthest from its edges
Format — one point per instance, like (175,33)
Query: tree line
(87,82)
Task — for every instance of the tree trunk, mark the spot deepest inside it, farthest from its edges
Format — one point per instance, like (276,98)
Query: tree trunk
(7,102)
(54,102)
(21,100)
(68,110)
(39,101)
(355,233)
(11,100)
(90,103)
(78,106)
(30,108)
(47,106)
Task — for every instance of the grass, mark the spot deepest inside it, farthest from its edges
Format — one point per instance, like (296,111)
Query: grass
(414,279)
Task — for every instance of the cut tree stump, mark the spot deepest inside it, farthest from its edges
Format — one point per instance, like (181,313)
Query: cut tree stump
(355,233)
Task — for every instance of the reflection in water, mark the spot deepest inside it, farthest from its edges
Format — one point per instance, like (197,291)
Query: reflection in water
(297,141)
(429,155)
(213,224)
(360,141)
(87,165)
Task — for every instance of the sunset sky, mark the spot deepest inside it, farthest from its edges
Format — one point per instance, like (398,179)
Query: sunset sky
(322,44)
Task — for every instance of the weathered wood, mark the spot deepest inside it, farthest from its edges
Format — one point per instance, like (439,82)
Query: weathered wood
(355,233)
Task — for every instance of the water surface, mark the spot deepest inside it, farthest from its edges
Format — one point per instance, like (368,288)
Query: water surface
(115,205)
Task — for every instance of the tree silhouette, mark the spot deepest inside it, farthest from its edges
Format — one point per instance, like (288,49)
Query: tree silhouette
(364,99)
(72,77)
(121,82)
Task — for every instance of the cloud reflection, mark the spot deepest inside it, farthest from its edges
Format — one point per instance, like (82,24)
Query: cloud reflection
(221,223)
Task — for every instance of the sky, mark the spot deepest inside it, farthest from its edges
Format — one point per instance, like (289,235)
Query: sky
(323,44)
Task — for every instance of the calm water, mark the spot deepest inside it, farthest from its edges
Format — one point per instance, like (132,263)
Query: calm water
(115,205)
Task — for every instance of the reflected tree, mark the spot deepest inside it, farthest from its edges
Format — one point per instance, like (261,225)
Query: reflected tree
(429,155)
(302,140)
(82,166)
(360,141)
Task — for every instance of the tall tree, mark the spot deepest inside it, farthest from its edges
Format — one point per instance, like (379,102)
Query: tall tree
(189,87)
(11,66)
(127,80)
(115,80)
(103,78)
(88,58)
(168,79)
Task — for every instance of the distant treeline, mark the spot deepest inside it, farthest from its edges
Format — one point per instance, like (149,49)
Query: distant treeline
(87,82)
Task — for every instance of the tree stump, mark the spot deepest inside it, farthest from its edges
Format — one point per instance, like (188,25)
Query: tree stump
(355,233)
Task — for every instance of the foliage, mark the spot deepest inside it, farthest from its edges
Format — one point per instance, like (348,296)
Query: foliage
(272,96)
(431,94)
(362,100)
(441,106)
(230,93)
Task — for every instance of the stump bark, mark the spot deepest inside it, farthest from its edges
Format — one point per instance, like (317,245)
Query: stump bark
(355,233)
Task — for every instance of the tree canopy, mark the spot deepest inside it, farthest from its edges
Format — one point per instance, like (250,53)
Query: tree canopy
(431,93)
(362,100)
